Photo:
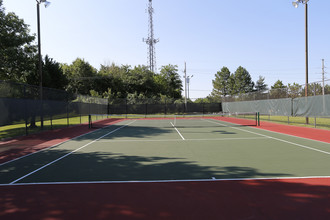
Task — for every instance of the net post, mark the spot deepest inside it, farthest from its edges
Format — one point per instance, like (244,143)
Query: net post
(89,121)
(258,119)
(51,122)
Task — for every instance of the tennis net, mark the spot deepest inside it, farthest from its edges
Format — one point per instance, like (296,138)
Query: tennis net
(181,120)
(242,118)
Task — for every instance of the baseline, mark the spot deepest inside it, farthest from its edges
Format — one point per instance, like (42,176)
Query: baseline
(212,179)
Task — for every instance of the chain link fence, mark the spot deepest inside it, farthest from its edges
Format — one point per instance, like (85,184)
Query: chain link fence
(24,110)
(290,91)
(288,105)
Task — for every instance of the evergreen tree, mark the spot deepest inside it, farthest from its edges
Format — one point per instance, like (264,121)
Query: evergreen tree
(242,81)
(221,83)
(261,86)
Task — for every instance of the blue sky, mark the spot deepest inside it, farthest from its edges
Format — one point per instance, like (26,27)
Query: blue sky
(265,37)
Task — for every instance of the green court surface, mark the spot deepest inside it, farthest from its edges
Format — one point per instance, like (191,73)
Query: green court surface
(172,150)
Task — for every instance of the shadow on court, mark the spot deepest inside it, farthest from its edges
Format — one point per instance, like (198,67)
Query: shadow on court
(255,199)
(107,166)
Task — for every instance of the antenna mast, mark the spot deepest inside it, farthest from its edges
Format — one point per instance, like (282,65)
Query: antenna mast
(151,41)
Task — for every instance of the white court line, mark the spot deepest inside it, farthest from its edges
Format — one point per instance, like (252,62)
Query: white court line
(177,131)
(290,135)
(60,158)
(47,148)
(212,179)
(278,139)
(173,140)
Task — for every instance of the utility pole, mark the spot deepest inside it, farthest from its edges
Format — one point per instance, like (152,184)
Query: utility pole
(188,82)
(322,76)
(185,84)
(151,41)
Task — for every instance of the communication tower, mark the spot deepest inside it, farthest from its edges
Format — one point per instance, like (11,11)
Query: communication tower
(151,41)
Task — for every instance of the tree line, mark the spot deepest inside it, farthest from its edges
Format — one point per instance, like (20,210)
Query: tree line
(228,84)
(19,63)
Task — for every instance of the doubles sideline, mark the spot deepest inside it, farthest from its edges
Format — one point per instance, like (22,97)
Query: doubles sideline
(270,137)
(60,158)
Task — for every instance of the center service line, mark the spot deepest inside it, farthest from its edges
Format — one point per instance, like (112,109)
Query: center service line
(177,131)
(60,158)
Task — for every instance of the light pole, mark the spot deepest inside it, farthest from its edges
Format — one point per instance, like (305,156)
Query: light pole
(46,3)
(296,4)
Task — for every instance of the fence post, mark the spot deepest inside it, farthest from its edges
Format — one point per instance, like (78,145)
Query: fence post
(26,110)
(165,107)
(126,107)
(67,113)
(51,122)
(67,110)
(203,106)
(108,110)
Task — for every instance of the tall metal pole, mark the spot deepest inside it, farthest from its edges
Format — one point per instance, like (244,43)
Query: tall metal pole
(295,4)
(306,43)
(40,63)
(322,76)
(185,84)
(188,81)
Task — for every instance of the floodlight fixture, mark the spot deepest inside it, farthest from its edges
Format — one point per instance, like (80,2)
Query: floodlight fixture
(296,3)
(46,3)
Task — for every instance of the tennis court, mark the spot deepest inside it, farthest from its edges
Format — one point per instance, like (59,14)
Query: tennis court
(171,150)
(182,149)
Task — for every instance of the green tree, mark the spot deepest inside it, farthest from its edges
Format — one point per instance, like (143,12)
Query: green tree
(327,89)
(278,90)
(17,53)
(221,83)
(242,81)
(109,79)
(294,90)
(140,80)
(314,89)
(81,76)
(169,82)
(208,99)
(261,86)
(53,76)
